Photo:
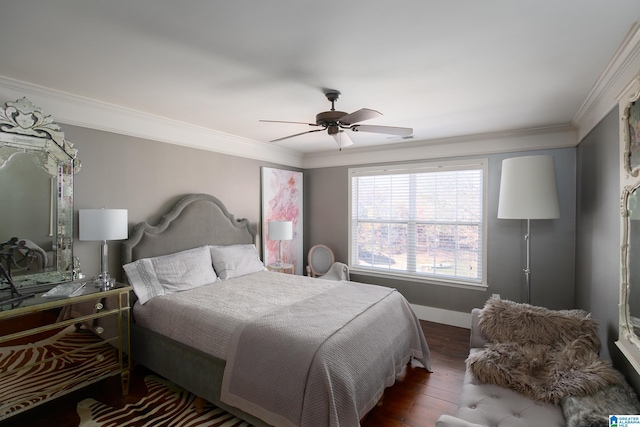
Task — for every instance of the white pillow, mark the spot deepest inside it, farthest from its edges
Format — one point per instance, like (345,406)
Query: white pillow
(235,260)
(171,273)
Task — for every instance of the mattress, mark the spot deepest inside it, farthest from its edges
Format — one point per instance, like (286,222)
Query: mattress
(206,317)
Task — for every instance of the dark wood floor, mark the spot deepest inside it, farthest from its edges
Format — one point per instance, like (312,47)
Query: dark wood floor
(417,398)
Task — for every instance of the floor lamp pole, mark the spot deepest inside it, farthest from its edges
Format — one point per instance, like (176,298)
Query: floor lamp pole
(527,270)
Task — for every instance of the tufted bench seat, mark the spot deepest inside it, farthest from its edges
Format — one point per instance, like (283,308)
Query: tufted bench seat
(487,405)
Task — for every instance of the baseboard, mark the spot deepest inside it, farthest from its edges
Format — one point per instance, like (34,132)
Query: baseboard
(446,317)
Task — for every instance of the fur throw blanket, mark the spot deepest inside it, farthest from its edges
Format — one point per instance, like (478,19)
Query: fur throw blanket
(594,410)
(543,354)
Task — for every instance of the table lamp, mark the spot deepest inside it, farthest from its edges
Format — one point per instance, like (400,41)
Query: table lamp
(280,230)
(102,225)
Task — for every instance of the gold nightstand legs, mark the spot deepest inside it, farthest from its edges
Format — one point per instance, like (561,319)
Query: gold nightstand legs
(125,377)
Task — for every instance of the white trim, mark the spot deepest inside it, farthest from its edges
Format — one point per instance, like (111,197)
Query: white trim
(471,145)
(79,111)
(445,317)
(624,65)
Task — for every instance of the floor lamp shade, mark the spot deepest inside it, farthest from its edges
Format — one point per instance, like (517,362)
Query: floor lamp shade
(528,188)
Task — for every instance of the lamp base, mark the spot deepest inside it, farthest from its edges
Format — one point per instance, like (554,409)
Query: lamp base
(104,281)
(279,263)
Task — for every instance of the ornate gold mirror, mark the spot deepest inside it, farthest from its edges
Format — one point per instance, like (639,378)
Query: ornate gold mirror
(37,165)
(629,307)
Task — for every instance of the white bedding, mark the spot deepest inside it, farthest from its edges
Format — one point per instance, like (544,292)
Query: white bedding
(271,329)
(325,361)
(206,317)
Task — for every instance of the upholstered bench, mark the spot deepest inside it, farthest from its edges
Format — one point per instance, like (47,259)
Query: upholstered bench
(482,404)
(490,405)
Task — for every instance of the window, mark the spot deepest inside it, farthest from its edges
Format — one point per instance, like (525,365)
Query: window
(420,221)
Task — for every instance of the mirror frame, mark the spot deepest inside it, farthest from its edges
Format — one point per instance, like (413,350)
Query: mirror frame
(628,342)
(25,129)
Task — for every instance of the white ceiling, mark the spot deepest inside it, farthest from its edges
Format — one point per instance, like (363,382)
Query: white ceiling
(446,68)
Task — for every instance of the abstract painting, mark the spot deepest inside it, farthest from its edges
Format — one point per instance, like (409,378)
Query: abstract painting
(282,201)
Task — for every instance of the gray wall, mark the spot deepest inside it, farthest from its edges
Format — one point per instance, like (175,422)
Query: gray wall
(148,177)
(552,243)
(598,235)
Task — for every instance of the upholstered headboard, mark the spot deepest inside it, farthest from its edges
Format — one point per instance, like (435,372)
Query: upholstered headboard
(196,220)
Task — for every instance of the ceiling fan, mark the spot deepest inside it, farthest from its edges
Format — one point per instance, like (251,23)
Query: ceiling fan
(336,122)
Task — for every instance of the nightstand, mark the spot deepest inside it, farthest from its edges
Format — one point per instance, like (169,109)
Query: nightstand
(285,268)
(68,343)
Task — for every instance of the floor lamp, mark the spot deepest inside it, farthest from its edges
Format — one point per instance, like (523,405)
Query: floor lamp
(280,230)
(528,190)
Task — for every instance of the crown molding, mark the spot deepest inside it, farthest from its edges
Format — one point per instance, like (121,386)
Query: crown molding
(89,113)
(622,68)
(542,138)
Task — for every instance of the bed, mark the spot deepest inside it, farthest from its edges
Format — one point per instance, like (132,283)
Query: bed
(270,348)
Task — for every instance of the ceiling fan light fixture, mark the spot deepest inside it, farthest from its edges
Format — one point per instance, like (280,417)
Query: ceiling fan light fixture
(342,139)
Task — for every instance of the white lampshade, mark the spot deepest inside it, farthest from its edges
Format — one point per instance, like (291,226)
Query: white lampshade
(280,230)
(103,224)
(528,188)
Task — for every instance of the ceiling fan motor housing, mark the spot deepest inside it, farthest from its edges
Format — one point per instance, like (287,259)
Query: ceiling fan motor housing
(327,118)
(333,129)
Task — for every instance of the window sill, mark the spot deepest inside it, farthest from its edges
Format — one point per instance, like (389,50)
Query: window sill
(415,279)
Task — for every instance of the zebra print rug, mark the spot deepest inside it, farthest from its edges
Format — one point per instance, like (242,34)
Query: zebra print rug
(32,373)
(165,405)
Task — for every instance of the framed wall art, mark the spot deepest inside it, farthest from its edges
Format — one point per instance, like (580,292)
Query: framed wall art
(282,201)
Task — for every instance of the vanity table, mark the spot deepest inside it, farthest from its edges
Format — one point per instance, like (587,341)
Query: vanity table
(48,346)
(75,341)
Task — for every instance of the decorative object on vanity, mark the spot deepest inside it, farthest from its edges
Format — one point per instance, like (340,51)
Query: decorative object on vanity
(321,263)
(279,231)
(65,290)
(528,190)
(14,252)
(102,225)
(40,163)
(164,404)
(282,197)
(336,122)
(629,306)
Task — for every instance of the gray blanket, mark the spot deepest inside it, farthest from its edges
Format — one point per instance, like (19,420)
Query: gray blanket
(324,361)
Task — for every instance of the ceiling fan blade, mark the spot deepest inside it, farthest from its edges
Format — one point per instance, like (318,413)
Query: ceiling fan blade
(389,130)
(283,121)
(342,138)
(297,134)
(358,116)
